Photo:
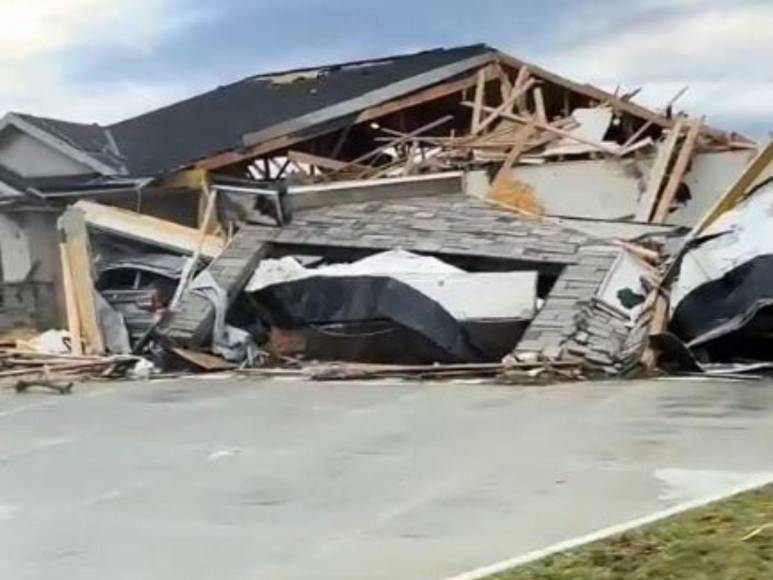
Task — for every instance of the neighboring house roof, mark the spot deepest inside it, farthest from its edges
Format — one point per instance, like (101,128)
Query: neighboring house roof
(89,145)
(218,120)
(92,139)
(12,185)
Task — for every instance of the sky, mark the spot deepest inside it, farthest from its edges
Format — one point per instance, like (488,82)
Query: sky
(107,60)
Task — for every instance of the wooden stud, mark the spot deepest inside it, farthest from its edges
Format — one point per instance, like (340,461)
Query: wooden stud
(496,113)
(520,80)
(480,92)
(658,172)
(539,105)
(522,137)
(551,128)
(319,161)
(76,241)
(398,141)
(71,306)
(505,86)
(677,172)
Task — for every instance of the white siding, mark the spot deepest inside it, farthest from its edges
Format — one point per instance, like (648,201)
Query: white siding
(30,157)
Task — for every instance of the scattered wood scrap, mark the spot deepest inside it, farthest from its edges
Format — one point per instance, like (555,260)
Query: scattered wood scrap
(26,365)
(203,361)
(356,371)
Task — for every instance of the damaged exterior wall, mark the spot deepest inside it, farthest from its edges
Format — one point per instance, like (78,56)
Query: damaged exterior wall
(610,189)
(31,270)
(15,260)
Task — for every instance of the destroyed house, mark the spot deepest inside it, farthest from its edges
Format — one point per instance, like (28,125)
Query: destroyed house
(467,155)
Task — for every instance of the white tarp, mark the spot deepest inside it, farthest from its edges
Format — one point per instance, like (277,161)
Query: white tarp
(739,236)
(465,295)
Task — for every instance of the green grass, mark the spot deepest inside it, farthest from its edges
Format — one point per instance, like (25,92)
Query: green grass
(728,540)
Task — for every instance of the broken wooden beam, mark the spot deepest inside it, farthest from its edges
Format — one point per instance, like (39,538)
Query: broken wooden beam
(677,173)
(551,128)
(480,94)
(75,239)
(323,162)
(148,229)
(70,302)
(498,111)
(658,172)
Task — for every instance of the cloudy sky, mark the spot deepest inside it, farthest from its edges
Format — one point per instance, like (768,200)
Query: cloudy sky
(105,60)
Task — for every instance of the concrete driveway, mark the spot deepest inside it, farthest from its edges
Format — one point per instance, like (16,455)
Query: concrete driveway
(284,479)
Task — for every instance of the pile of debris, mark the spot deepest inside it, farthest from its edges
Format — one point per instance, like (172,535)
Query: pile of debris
(443,214)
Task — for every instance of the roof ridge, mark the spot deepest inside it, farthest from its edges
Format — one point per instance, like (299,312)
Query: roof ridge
(331,66)
(365,61)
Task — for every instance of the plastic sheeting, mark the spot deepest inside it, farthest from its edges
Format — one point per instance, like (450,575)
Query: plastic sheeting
(233,344)
(510,295)
(725,282)
(418,294)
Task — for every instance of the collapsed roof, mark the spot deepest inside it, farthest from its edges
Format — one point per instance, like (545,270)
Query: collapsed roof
(268,113)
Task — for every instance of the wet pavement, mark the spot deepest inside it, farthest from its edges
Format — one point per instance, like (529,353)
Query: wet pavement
(205,478)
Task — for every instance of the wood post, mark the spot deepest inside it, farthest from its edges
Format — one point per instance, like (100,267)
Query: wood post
(76,243)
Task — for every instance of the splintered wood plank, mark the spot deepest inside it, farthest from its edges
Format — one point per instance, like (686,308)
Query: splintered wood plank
(677,172)
(550,127)
(497,113)
(398,141)
(520,80)
(505,86)
(203,361)
(319,161)
(480,92)
(72,226)
(148,229)
(539,105)
(71,305)
(521,139)
(658,173)
(504,189)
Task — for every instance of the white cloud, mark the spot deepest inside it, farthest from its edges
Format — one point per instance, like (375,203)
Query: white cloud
(34,34)
(719,50)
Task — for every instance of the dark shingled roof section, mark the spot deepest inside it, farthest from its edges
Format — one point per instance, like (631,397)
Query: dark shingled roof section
(215,121)
(89,138)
